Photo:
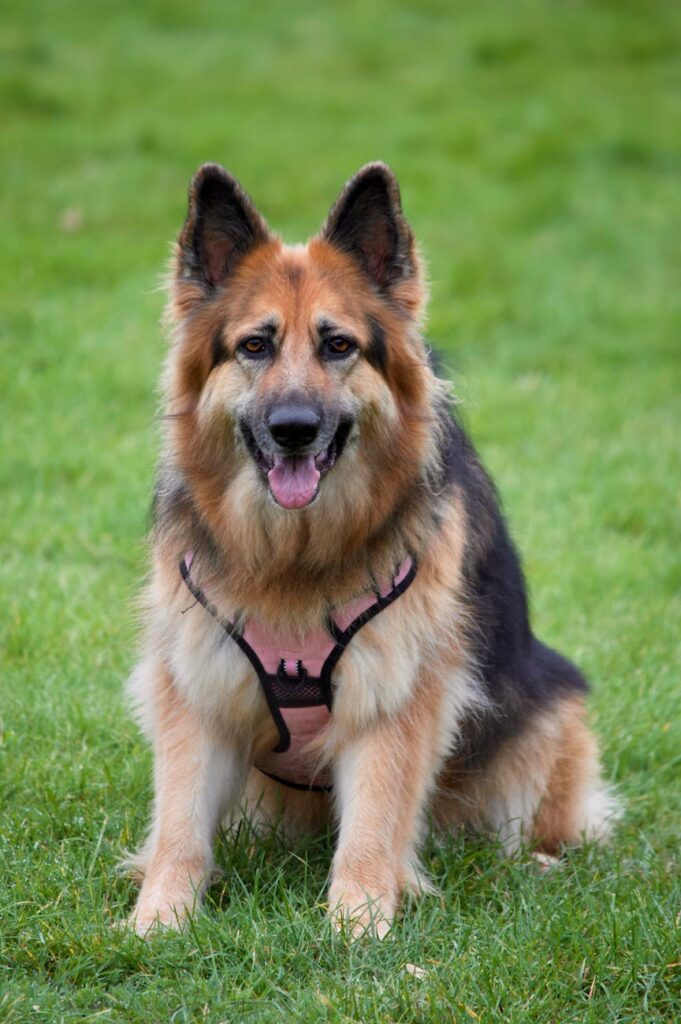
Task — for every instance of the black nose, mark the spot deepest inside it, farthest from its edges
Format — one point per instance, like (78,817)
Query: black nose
(294,426)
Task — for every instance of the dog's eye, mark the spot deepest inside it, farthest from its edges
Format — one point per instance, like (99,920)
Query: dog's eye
(256,348)
(338,347)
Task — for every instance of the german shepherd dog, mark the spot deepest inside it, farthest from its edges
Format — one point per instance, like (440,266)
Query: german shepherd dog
(336,621)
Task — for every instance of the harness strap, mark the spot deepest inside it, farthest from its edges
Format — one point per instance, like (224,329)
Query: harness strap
(296,681)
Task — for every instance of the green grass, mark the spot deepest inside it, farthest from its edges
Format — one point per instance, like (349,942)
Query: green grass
(539,151)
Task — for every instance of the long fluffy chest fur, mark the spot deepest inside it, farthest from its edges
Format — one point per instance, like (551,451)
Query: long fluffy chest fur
(308,449)
(425,632)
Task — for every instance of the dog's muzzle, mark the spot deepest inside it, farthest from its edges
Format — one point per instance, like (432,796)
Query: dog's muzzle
(293,471)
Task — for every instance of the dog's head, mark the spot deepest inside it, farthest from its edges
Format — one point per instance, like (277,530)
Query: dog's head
(298,381)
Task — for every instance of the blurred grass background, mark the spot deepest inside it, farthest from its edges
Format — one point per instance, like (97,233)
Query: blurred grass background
(538,145)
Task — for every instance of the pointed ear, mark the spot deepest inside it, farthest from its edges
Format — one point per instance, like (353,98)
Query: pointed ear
(367,223)
(222,225)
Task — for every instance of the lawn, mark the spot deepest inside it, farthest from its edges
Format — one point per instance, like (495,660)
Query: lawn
(539,150)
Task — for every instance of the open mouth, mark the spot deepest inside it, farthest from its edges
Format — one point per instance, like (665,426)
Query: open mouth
(294,479)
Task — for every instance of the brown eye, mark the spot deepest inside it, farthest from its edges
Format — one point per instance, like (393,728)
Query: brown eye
(256,348)
(336,348)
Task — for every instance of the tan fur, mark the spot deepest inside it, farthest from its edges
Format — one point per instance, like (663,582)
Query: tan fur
(375,861)
(266,547)
(575,805)
(540,791)
(405,683)
(194,774)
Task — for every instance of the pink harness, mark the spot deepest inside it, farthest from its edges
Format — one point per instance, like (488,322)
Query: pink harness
(296,678)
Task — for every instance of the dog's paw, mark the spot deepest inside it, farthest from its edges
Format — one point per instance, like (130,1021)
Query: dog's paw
(147,922)
(356,913)
(545,862)
(169,894)
(156,912)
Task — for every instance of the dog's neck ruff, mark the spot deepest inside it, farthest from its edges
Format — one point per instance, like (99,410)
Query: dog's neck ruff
(296,677)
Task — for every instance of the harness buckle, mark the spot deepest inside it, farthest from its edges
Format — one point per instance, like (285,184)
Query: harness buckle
(291,672)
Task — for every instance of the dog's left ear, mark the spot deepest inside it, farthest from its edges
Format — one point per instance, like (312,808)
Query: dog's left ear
(367,222)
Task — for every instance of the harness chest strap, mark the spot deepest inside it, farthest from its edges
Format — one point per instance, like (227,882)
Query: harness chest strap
(296,678)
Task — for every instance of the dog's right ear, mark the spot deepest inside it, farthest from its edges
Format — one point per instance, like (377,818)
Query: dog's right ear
(222,225)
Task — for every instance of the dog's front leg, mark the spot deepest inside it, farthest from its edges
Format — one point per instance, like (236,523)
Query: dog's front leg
(197,778)
(383,780)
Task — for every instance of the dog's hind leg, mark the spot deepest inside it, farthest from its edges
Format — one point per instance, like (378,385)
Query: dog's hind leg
(577,805)
(195,778)
(543,788)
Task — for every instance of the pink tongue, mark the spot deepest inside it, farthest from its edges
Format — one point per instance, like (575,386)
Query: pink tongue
(294,480)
